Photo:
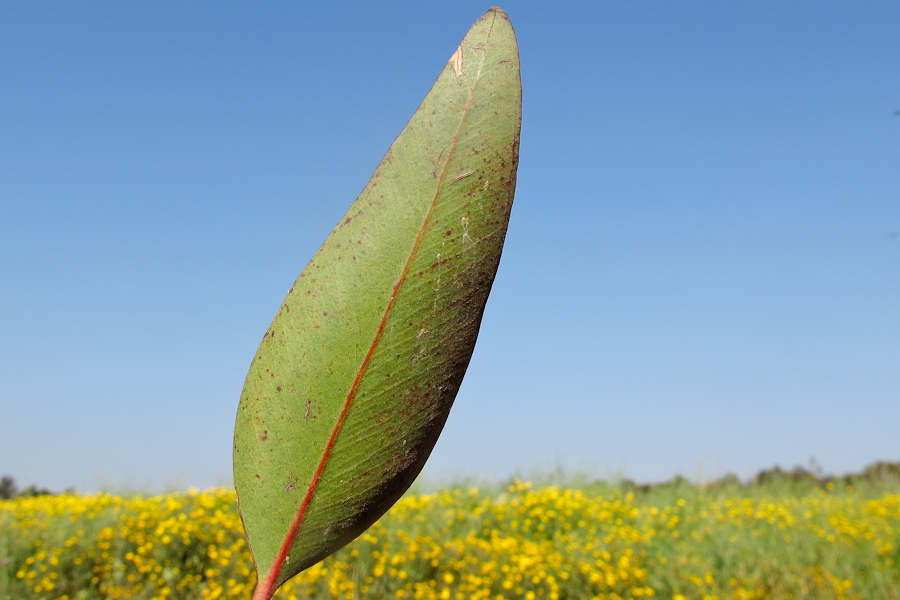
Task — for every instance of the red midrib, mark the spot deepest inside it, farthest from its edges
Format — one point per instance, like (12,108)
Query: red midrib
(266,589)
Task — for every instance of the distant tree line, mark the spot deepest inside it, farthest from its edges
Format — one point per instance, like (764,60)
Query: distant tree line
(9,490)
(880,475)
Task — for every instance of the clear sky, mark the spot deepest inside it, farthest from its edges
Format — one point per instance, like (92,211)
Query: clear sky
(701,275)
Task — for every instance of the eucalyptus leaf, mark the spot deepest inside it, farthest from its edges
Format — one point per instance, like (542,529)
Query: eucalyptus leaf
(354,379)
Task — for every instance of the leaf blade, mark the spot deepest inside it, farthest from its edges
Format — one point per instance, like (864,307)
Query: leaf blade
(363,360)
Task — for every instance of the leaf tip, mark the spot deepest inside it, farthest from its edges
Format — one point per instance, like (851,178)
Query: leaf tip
(500,12)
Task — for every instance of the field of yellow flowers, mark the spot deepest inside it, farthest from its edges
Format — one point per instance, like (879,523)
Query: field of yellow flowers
(552,542)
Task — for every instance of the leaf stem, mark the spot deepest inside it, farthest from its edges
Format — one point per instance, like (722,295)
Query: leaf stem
(264,591)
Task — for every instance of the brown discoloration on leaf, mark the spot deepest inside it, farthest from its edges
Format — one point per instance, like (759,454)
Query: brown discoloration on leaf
(456,63)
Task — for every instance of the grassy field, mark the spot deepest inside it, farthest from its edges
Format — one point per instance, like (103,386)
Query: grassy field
(791,536)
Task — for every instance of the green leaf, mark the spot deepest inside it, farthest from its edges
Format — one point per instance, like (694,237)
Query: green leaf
(354,380)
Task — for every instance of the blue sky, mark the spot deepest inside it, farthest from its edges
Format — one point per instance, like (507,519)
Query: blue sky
(701,275)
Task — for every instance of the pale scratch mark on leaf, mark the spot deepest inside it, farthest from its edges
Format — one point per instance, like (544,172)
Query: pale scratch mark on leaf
(463,176)
(456,63)
(437,163)
(291,484)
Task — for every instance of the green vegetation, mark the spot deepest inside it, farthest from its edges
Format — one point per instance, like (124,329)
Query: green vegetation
(782,535)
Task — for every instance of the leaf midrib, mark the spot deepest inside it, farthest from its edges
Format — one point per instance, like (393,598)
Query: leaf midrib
(266,587)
